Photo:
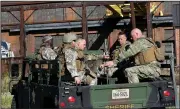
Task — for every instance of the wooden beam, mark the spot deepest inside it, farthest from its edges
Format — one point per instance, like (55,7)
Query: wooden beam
(177,44)
(133,19)
(84,25)
(149,20)
(22,34)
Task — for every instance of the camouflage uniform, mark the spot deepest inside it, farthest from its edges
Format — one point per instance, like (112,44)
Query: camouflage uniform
(147,65)
(75,64)
(73,61)
(45,51)
(115,55)
(118,50)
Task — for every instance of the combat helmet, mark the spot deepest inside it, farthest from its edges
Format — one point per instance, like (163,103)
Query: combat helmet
(69,37)
(46,38)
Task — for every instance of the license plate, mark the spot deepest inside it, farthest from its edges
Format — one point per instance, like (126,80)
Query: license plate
(120,93)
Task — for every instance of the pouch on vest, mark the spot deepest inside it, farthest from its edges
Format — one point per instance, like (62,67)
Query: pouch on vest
(157,51)
(159,55)
(146,57)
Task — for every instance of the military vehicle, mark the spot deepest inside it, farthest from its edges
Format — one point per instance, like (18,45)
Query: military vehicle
(40,86)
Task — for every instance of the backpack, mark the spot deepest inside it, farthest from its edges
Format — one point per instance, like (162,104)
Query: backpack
(157,50)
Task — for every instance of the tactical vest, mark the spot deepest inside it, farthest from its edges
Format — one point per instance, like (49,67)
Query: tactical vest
(147,56)
(79,60)
(119,50)
(157,51)
(62,58)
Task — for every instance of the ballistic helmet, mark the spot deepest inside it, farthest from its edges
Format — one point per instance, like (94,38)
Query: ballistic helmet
(46,38)
(69,37)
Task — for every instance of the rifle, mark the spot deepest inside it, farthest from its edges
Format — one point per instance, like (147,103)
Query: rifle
(88,71)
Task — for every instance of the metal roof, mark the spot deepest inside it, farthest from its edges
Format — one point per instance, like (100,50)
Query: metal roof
(36,27)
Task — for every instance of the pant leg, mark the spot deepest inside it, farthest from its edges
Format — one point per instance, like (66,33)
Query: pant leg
(132,76)
(90,80)
(142,71)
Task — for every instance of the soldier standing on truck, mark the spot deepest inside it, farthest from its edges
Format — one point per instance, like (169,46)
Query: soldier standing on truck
(143,49)
(46,51)
(74,60)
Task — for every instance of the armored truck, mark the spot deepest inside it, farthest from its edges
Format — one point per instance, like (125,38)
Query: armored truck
(41,86)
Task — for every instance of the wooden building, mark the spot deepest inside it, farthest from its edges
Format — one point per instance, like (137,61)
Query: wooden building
(101,23)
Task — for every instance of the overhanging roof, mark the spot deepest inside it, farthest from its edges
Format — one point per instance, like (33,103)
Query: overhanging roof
(51,26)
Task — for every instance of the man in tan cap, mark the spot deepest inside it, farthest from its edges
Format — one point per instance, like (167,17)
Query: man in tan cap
(46,52)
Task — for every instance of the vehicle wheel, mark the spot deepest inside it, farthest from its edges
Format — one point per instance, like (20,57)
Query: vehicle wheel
(13,105)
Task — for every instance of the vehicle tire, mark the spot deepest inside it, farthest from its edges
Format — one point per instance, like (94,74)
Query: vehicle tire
(13,104)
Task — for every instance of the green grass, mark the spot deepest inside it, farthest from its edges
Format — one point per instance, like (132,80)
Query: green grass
(6,100)
(5,83)
(6,97)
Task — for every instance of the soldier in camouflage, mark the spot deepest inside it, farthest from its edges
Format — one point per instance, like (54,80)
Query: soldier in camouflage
(46,52)
(114,71)
(142,49)
(74,60)
(124,44)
